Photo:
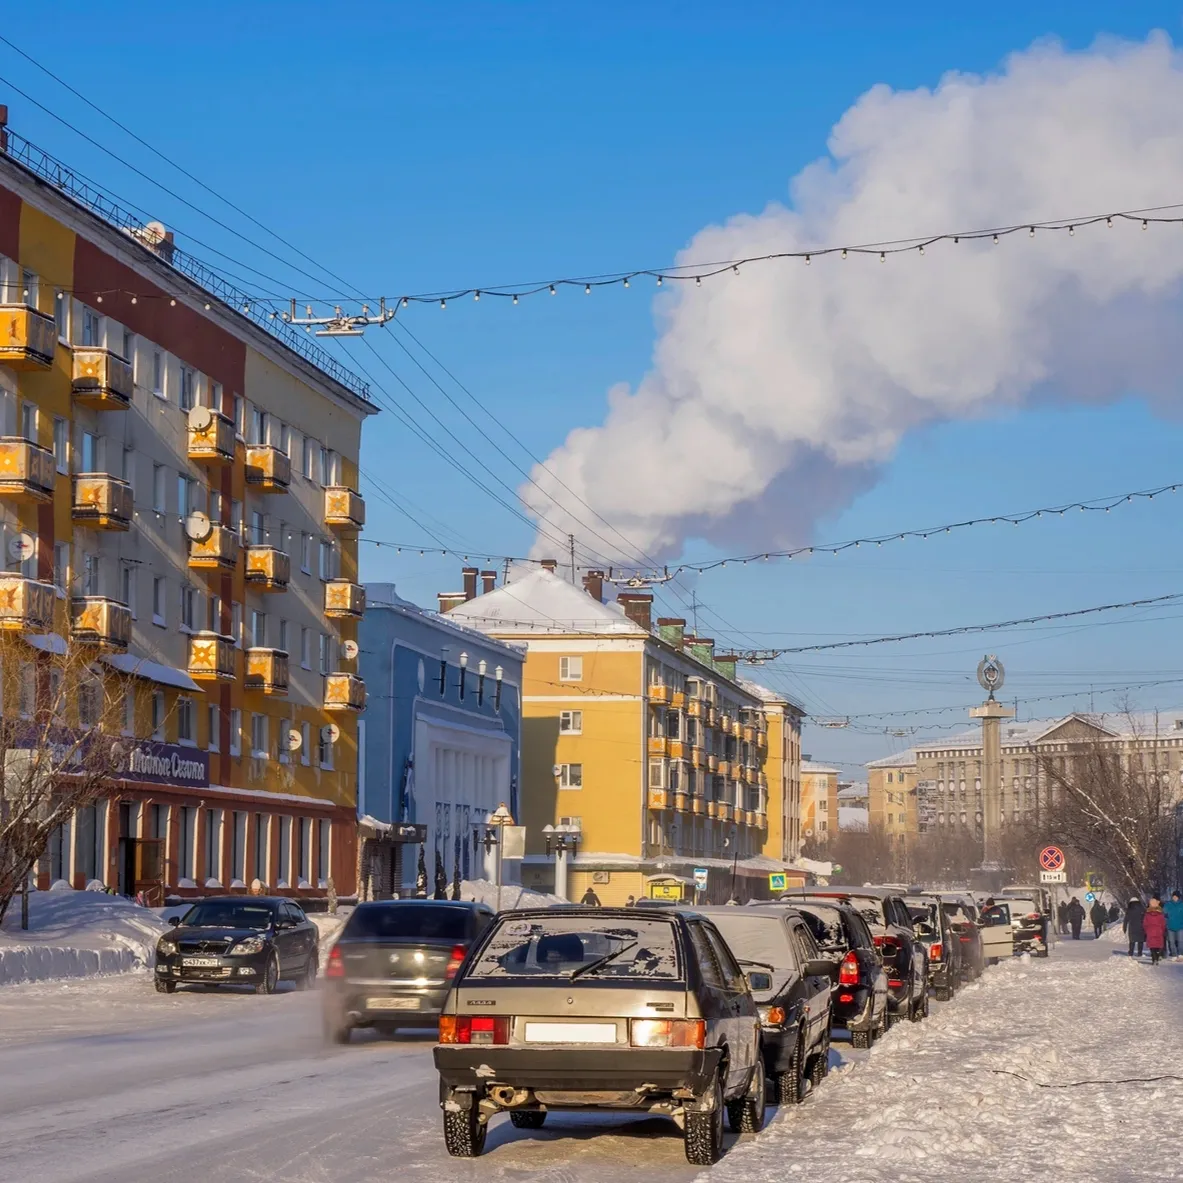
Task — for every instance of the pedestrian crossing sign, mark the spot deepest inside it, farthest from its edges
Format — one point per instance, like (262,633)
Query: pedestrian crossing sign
(777,881)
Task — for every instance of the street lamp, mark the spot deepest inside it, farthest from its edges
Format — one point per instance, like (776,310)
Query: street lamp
(463,673)
(498,673)
(480,685)
(561,841)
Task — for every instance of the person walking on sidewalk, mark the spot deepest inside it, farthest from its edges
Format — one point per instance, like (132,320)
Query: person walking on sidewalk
(1075,917)
(1097,915)
(1174,913)
(590,897)
(1131,925)
(1062,918)
(1155,925)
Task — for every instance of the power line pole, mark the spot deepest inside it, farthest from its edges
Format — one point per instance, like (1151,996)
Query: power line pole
(571,546)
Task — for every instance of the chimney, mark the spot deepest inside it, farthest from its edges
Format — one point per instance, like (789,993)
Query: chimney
(470,574)
(671,630)
(549,565)
(638,607)
(450,600)
(488,582)
(703,649)
(593,584)
(725,663)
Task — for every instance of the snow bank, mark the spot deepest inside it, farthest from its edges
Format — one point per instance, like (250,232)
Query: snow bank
(510,896)
(75,934)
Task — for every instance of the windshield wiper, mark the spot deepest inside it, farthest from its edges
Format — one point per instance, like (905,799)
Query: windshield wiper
(592,966)
(758,964)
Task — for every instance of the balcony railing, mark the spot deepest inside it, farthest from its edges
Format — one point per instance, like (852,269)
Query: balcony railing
(724,768)
(25,604)
(102,502)
(677,749)
(218,550)
(27,338)
(698,805)
(659,745)
(344,509)
(712,762)
(267,671)
(267,468)
(659,799)
(268,569)
(344,599)
(696,708)
(660,694)
(211,657)
(682,802)
(27,470)
(102,379)
(678,700)
(697,757)
(344,692)
(211,437)
(98,620)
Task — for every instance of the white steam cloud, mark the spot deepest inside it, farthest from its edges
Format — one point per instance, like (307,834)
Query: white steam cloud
(777,395)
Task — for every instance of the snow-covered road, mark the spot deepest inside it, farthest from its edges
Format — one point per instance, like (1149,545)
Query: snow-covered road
(106,1081)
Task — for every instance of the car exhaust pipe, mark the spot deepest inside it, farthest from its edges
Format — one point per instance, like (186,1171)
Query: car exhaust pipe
(507,1096)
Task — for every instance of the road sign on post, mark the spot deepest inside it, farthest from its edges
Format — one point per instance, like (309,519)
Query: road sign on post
(701,874)
(1051,858)
(777,881)
(1053,876)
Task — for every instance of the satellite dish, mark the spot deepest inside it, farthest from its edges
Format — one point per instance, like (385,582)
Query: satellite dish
(808,831)
(198,526)
(330,733)
(22,547)
(350,649)
(155,232)
(200,417)
(295,739)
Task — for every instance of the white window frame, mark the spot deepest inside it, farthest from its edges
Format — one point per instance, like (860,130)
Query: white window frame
(260,730)
(158,714)
(61,443)
(235,731)
(160,601)
(570,776)
(305,648)
(306,744)
(214,727)
(657,774)
(186,721)
(186,391)
(306,553)
(570,722)
(571,669)
(159,366)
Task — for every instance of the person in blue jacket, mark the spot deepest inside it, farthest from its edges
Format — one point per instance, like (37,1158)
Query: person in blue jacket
(1174,910)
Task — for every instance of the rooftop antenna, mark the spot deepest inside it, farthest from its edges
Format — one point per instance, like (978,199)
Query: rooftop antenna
(340,324)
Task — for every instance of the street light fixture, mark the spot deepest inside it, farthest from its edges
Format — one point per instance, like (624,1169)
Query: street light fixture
(561,840)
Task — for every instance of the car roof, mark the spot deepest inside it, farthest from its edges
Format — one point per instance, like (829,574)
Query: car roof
(467,905)
(875,893)
(246,899)
(671,915)
(767,907)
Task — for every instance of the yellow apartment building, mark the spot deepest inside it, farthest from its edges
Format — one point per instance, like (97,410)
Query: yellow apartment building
(819,802)
(892,797)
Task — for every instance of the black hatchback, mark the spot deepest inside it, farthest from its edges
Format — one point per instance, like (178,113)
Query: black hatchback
(394,961)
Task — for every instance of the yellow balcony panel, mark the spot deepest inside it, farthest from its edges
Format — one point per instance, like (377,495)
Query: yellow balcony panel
(698,805)
(102,502)
(659,745)
(344,692)
(726,722)
(219,550)
(678,700)
(25,604)
(659,799)
(267,469)
(697,757)
(211,437)
(713,808)
(659,694)
(682,802)
(724,768)
(345,600)
(712,716)
(344,509)
(761,737)
(749,733)
(695,708)
(268,569)
(267,670)
(677,749)
(211,657)
(98,620)
(27,470)
(27,338)
(101,379)
(712,763)
(725,812)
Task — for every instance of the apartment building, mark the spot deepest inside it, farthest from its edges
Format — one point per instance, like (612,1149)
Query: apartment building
(892,797)
(642,738)
(178,490)
(819,801)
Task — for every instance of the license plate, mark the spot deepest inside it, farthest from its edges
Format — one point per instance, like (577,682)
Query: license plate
(570,1032)
(392,1003)
(199,962)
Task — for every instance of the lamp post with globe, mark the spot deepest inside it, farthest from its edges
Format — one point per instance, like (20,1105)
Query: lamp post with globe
(991,676)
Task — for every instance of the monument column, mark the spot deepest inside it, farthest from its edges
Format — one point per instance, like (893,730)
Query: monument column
(991,676)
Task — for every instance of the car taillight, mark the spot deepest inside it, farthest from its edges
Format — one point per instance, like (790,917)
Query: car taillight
(668,1033)
(848,971)
(1034,916)
(936,951)
(336,965)
(772,1016)
(455,962)
(470,1029)
(845,997)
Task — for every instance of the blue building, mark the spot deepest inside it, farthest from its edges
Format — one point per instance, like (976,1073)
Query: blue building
(440,741)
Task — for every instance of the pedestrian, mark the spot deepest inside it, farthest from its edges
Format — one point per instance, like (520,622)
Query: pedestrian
(1174,913)
(1075,917)
(1114,912)
(1155,925)
(1062,918)
(631,902)
(590,898)
(1131,925)
(1097,915)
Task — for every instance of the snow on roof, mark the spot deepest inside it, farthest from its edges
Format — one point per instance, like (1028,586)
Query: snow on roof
(384,595)
(853,817)
(764,694)
(814,766)
(900,760)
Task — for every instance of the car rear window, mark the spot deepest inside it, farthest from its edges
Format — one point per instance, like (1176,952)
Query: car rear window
(826,926)
(870,908)
(407,921)
(925,920)
(560,946)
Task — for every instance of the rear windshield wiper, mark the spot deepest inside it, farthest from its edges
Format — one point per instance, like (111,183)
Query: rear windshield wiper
(592,966)
(758,964)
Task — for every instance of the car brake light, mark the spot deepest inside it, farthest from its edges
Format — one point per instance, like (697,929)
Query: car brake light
(474,1029)
(967,940)
(845,997)
(336,965)
(455,962)
(848,971)
(895,983)
(936,951)
(668,1033)
(775,1016)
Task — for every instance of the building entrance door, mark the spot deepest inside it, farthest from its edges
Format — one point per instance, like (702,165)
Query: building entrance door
(147,856)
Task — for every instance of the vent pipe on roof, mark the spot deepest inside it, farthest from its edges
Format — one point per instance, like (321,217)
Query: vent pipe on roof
(593,584)
(488,582)
(549,565)
(638,607)
(470,574)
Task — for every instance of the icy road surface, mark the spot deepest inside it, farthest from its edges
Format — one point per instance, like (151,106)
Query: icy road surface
(106,1081)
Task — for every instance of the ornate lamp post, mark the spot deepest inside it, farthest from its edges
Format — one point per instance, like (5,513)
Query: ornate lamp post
(991,676)
(560,841)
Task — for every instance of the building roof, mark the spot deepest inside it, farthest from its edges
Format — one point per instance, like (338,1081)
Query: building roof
(764,694)
(814,766)
(903,759)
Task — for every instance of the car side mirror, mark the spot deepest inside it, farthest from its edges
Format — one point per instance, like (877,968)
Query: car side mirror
(820,967)
(174,921)
(757,980)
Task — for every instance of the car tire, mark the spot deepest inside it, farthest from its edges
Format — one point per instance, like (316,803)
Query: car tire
(920,1009)
(819,1066)
(746,1115)
(163,986)
(944,993)
(860,1040)
(789,1085)
(307,980)
(703,1132)
(339,1033)
(464,1132)
(528,1119)
(269,982)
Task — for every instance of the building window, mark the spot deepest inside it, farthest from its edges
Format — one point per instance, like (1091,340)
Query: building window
(258,629)
(283,636)
(159,488)
(285,852)
(325,754)
(237,847)
(235,731)
(29,288)
(92,328)
(285,741)
(328,557)
(304,851)
(185,395)
(260,745)
(214,742)
(262,845)
(127,587)
(306,553)
(239,414)
(571,722)
(29,421)
(61,444)
(305,744)
(285,439)
(571,669)
(213,843)
(656,774)
(213,614)
(306,648)
(186,498)
(129,713)
(91,582)
(158,607)
(324,870)
(571,776)
(323,465)
(158,714)
(311,452)
(61,565)
(185,721)
(61,315)
(254,419)
(185,833)
(258,528)
(188,608)
(158,373)
(236,624)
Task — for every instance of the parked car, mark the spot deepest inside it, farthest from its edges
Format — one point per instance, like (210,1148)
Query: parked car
(890,922)
(963,920)
(394,961)
(1029,923)
(600,1008)
(232,940)
(997,929)
(935,933)
(859,1000)
(1044,902)
(791,983)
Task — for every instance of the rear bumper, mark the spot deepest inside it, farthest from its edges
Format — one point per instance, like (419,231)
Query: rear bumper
(567,1069)
(777,1047)
(348,1003)
(942,975)
(854,1015)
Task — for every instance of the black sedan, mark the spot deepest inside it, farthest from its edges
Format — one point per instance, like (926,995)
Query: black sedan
(240,941)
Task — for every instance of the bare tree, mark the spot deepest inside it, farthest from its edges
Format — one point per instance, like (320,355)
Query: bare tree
(865,856)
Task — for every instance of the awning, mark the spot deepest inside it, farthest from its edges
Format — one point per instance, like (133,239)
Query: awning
(152,671)
(53,643)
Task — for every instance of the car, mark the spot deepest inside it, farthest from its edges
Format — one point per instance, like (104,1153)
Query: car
(858,1002)
(394,961)
(963,920)
(1042,898)
(890,922)
(642,1010)
(791,983)
(1029,922)
(934,931)
(997,929)
(239,940)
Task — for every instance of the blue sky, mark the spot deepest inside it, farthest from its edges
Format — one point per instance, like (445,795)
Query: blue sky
(523,141)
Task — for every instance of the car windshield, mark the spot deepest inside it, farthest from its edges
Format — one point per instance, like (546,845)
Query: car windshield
(395,921)
(826,926)
(1020,906)
(870,908)
(566,945)
(925,921)
(228,914)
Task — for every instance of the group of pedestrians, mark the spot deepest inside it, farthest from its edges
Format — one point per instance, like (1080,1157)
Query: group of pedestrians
(1070,916)
(1156,927)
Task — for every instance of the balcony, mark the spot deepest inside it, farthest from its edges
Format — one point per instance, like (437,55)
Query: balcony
(268,569)
(267,469)
(267,671)
(27,470)
(724,768)
(102,379)
(211,437)
(712,716)
(737,728)
(660,695)
(25,604)
(211,657)
(97,620)
(659,745)
(726,723)
(102,502)
(762,738)
(749,733)
(712,762)
(682,802)
(344,692)
(27,338)
(218,551)
(726,812)
(345,600)
(344,509)
(713,808)
(678,700)
(695,708)
(658,799)
(697,757)
(698,806)
(677,749)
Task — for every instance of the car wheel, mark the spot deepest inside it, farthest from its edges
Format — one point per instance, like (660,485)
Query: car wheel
(307,980)
(860,1040)
(703,1132)
(746,1115)
(464,1132)
(944,993)
(528,1119)
(920,1009)
(819,1067)
(337,1032)
(789,1085)
(269,982)
(163,986)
